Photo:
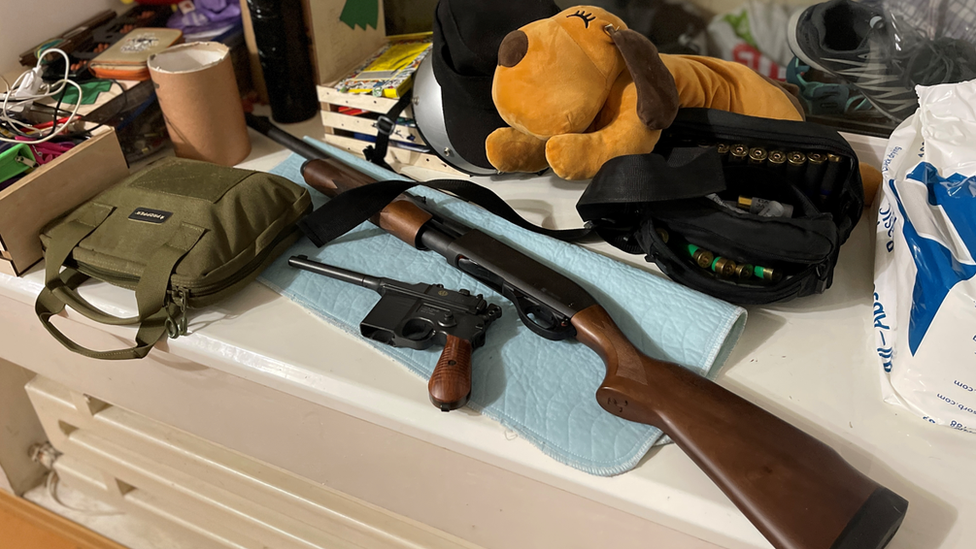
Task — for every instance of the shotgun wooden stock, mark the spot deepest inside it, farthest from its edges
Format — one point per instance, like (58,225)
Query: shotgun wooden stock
(796,490)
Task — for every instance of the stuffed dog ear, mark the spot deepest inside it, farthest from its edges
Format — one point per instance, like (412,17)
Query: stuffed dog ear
(657,94)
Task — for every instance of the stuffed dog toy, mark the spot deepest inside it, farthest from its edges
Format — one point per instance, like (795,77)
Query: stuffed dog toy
(580,88)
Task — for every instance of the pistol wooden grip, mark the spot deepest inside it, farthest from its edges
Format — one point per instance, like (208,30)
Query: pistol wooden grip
(797,490)
(450,384)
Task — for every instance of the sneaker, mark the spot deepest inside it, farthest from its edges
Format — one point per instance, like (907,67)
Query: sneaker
(856,42)
(826,95)
(852,41)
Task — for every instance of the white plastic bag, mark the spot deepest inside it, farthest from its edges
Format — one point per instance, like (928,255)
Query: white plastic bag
(925,290)
(754,34)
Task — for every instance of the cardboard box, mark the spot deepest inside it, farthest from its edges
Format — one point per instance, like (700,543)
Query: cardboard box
(51,190)
(343,34)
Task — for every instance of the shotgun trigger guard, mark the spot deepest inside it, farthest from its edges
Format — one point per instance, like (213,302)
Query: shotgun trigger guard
(539,318)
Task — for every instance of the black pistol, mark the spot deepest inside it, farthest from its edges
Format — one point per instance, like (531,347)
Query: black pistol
(418,316)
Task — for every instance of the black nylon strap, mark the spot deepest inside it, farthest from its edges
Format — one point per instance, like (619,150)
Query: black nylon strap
(621,185)
(624,183)
(385,126)
(347,210)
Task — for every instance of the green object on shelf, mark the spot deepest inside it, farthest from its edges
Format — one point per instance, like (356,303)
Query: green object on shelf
(364,13)
(15,161)
(89,92)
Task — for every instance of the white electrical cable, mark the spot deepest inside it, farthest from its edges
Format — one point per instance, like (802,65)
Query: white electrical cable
(51,483)
(64,83)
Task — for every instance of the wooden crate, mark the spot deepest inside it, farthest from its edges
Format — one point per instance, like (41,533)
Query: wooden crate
(51,190)
(340,128)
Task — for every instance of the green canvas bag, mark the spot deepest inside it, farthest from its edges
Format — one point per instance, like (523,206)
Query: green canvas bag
(181,233)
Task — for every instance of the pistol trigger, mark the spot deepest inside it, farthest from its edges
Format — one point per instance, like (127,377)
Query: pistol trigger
(417,329)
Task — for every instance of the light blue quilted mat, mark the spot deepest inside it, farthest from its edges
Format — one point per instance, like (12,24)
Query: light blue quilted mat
(544,390)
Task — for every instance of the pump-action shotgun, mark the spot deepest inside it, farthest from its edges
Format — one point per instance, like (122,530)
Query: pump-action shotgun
(796,490)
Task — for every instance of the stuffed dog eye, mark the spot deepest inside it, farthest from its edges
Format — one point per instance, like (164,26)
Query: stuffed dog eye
(586,17)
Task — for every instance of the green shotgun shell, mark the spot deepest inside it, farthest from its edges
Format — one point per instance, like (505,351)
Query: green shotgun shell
(768,274)
(744,271)
(704,258)
(723,148)
(723,267)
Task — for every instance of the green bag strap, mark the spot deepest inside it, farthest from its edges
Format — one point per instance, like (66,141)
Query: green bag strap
(150,331)
(64,238)
(157,316)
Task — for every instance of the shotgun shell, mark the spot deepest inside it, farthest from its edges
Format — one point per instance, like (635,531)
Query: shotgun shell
(765,207)
(816,158)
(767,273)
(816,167)
(796,163)
(776,159)
(744,271)
(757,155)
(796,158)
(831,177)
(723,148)
(723,267)
(702,257)
(663,234)
(738,153)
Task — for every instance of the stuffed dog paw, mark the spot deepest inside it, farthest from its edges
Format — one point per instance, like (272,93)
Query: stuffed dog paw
(580,88)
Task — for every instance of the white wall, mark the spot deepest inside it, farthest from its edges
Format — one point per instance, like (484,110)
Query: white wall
(25,23)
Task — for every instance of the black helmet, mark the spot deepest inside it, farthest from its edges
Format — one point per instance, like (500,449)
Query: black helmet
(452,87)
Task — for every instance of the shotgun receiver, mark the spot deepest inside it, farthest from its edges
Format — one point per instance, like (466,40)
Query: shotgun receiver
(796,490)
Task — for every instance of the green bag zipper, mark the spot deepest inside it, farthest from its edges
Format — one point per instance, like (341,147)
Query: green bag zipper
(194,296)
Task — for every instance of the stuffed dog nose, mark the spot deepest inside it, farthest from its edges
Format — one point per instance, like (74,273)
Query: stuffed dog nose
(513,48)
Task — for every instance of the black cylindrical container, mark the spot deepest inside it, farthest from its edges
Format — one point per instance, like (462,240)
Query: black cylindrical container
(279,31)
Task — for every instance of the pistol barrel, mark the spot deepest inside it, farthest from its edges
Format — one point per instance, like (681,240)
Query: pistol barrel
(338,273)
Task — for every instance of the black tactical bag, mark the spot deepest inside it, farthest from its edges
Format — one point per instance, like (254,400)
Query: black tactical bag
(683,206)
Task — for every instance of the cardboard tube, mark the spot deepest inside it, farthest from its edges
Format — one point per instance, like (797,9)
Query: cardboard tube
(198,94)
